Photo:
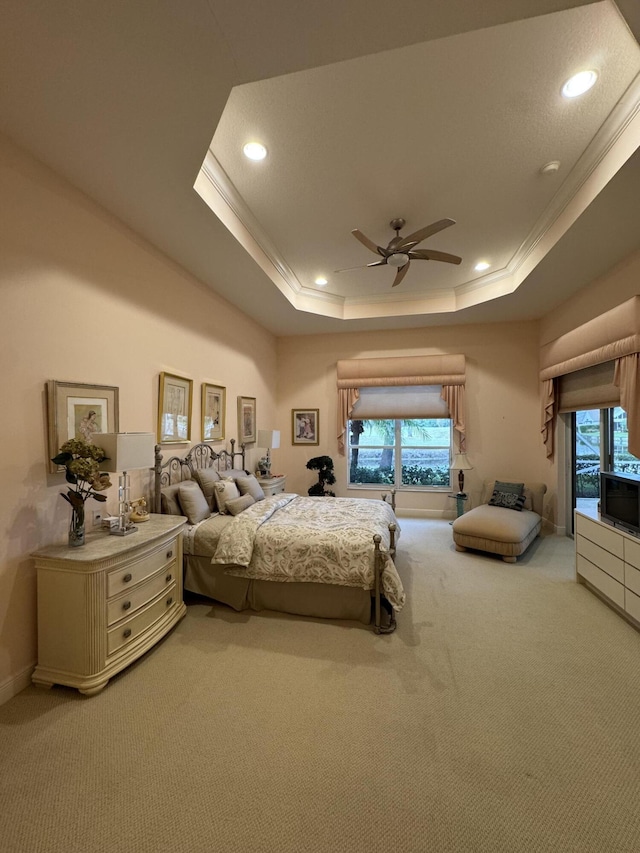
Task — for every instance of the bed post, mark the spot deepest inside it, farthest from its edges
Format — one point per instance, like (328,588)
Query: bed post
(157,505)
(379,560)
(392,493)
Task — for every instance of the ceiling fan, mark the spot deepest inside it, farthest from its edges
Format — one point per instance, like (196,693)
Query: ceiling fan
(400,251)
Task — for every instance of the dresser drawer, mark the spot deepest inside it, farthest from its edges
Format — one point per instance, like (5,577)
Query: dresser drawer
(128,602)
(601,580)
(127,631)
(604,560)
(605,537)
(122,579)
(632,552)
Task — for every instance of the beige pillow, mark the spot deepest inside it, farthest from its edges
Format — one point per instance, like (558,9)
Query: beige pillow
(233,473)
(226,490)
(193,502)
(249,485)
(236,505)
(207,478)
(169,500)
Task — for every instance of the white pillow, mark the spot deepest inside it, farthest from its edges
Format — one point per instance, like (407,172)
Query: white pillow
(225,490)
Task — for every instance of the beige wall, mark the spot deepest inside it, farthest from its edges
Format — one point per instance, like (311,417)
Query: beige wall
(86,300)
(503,419)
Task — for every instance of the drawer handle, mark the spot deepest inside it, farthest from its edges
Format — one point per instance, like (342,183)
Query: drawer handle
(126,633)
(169,554)
(126,605)
(127,577)
(169,577)
(169,600)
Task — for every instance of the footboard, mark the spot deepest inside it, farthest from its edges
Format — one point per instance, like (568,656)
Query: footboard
(380,558)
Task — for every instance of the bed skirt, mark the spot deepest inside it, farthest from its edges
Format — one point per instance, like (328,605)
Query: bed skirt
(301,599)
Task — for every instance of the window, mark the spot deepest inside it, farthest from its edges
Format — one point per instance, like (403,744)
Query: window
(411,453)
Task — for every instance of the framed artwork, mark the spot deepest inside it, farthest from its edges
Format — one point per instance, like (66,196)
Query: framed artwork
(305,426)
(214,404)
(174,409)
(79,410)
(246,419)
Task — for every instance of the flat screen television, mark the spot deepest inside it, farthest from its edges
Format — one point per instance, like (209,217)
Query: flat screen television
(620,500)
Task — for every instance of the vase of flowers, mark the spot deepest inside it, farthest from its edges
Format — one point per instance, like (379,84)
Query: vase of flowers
(85,479)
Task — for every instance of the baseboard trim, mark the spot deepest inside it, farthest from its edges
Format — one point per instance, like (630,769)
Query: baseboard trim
(15,684)
(425,513)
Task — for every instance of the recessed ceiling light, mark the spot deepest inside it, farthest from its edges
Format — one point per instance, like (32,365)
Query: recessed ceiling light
(321,281)
(482,265)
(579,83)
(255,151)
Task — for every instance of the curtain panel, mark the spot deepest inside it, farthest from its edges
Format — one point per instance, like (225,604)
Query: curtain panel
(447,371)
(612,337)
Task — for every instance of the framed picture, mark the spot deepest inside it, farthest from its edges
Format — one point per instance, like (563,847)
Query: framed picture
(246,419)
(214,405)
(174,409)
(79,410)
(305,426)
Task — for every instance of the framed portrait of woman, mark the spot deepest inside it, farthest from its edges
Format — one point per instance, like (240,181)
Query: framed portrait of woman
(305,426)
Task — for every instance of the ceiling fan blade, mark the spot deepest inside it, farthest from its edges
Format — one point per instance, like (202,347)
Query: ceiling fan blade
(366,241)
(363,266)
(423,233)
(402,271)
(432,255)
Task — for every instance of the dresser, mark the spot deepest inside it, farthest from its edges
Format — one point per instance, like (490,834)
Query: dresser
(102,605)
(273,485)
(608,560)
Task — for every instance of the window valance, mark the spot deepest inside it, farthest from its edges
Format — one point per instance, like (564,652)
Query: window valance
(402,372)
(612,337)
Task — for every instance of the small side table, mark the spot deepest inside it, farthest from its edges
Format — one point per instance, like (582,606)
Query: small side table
(460,500)
(273,485)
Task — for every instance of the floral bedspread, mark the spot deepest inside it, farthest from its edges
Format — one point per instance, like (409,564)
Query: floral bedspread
(311,539)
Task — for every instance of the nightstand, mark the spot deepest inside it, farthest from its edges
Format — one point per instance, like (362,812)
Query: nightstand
(106,603)
(273,485)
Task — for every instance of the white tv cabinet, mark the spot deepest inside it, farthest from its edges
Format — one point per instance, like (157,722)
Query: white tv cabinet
(608,562)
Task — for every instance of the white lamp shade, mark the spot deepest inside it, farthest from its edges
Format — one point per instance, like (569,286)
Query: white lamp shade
(126,450)
(269,438)
(461,463)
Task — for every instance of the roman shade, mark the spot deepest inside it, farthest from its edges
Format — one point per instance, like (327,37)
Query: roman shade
(401,376)
(604,354)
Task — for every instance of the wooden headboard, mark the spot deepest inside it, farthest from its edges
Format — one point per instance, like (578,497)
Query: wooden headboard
(179,468)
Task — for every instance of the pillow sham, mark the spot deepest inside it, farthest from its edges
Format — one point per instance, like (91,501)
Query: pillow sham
(508,495)
(206,479)
(193,502)
(236,505)
(249,485)
(226,490)
(169,500)
(233,473)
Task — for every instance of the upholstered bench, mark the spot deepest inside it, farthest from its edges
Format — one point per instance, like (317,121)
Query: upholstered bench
(498,529)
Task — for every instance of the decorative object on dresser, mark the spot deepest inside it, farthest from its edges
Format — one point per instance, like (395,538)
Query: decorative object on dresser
(82,471)
(324,466)
(127,451)
(103,606)
(338,559)
(79,410)
(305,426)
(174,409)
(214,407)
(269,438)
(608,562)
(246,419)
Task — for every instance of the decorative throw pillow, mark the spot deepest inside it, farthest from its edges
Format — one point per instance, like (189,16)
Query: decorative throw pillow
(169,500)
(236,505)
(193,502)
(226,490)
(508,495)
(207,478)
(249,485)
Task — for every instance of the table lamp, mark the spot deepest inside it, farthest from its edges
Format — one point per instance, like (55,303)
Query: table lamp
(126,451)
(461,464)
(269,438)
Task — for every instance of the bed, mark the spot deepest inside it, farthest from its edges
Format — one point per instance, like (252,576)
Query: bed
(310,556)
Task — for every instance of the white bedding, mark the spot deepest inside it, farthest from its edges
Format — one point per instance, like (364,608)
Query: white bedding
(310,539)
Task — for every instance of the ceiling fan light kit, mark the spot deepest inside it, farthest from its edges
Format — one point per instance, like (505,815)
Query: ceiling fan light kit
(401,250)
